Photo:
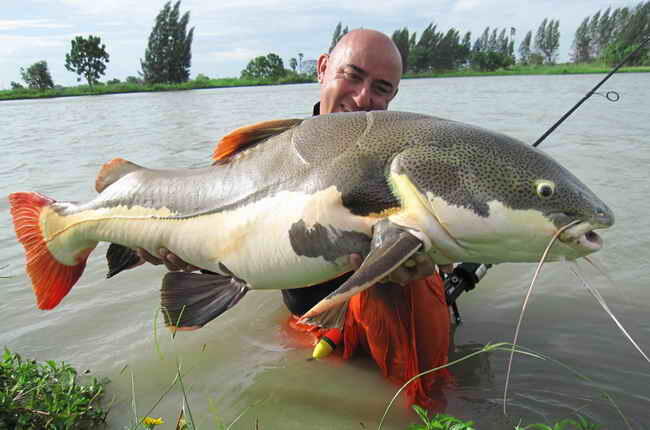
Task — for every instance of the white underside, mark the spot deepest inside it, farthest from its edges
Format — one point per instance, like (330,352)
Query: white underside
(252,241)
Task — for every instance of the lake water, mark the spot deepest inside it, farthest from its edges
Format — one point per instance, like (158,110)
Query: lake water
(246,361)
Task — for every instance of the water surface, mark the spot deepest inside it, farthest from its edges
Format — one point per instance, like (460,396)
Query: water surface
(246,360)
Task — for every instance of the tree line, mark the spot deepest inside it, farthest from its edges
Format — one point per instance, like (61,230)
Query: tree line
(493,49)
(606,36)
(610,35)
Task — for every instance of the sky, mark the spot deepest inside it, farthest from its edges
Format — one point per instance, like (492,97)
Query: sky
(229,33)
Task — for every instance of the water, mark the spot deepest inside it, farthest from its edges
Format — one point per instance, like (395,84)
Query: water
(246,361)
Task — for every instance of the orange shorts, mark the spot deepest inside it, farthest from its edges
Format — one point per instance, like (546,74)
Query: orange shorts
(405,330)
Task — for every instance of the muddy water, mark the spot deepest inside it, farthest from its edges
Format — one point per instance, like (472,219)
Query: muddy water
(246,361)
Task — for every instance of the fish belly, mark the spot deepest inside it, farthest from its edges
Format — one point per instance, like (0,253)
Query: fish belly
(251,242)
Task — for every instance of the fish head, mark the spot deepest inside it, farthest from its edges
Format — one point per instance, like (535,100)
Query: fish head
(481,196)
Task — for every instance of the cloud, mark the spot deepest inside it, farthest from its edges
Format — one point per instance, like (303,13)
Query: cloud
(237,54)
(465,5)
(10,45)
(22,24)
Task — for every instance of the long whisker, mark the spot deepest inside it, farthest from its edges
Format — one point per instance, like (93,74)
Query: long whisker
(594,292)
(523,310)
(601,270)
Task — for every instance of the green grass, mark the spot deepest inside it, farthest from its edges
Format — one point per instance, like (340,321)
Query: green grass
(49,395)
(557,69)
(447,422)
(439,422)
(102,89)
(124,87)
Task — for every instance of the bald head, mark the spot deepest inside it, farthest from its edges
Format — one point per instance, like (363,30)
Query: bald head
(361,73)
(381,46)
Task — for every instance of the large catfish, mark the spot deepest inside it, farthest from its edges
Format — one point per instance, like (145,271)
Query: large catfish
(286,202)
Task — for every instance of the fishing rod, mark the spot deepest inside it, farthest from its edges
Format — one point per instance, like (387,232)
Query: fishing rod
(465,276)
(592,92)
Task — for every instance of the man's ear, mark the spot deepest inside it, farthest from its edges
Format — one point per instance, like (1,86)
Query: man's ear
(321,66)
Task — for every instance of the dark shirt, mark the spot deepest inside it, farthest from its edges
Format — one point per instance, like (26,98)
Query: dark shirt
(300,300)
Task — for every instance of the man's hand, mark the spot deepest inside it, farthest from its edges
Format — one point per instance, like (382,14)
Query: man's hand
(417,267)
(170,260)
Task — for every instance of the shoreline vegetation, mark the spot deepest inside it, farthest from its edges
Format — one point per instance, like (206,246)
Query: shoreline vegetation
(203,82)
(49,395)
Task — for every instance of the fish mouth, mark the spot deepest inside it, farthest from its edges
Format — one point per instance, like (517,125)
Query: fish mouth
(582,236)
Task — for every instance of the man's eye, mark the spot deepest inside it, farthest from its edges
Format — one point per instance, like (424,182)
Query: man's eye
(352,76)
(384,91)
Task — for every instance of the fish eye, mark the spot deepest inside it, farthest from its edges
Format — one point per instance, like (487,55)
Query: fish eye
(545,188)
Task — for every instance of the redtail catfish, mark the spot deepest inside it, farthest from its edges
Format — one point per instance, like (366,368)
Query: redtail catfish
(286,202)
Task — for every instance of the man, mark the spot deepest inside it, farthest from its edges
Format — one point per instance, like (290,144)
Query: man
(404,328)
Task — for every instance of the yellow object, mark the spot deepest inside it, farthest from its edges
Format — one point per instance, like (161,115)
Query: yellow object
(322,349)
(152,422)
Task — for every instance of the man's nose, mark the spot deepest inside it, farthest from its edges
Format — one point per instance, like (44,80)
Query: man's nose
(363,98)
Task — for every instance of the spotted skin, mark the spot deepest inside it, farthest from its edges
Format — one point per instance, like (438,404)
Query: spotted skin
(465,165)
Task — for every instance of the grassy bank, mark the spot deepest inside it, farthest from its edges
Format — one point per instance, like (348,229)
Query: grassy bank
(101,89)
(558,69)
(126,87)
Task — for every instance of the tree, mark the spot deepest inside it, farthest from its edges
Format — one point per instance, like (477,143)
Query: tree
(604,33)
(547,39)
(37,76)
(633,27)
(87,58)
(593,34)
(524,48)
(581,52)
(493,50)
(168,56)
(338,34)
(293,63)
(266,68)
(492,41)
(401,40)
(422,54)
(466,48)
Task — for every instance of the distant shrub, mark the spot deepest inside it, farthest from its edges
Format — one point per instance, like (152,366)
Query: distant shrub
(134,80)
(536,59)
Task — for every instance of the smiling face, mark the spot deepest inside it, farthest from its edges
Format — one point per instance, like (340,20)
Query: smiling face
(362,73)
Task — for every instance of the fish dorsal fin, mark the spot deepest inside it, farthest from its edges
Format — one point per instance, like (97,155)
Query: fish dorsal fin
(112,171)
(245,137)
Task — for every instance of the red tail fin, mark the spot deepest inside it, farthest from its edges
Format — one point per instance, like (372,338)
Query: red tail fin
(51,280)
